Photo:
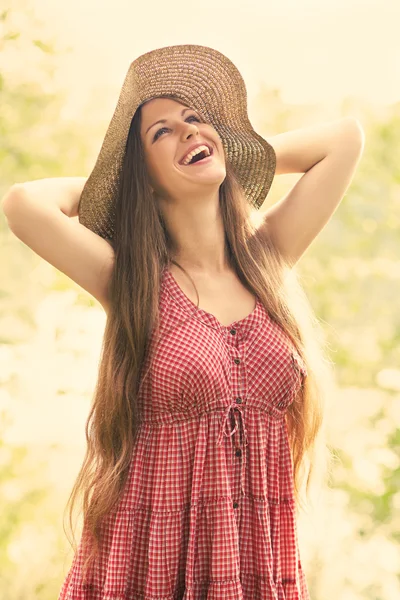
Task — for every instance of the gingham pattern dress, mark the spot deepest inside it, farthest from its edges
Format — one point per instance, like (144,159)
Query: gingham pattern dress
(208,509)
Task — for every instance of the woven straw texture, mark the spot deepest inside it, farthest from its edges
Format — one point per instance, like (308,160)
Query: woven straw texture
(207,81)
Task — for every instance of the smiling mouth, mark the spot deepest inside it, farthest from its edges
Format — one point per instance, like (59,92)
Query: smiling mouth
(201,160)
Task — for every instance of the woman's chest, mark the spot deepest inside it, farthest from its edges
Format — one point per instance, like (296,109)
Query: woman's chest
(224,297)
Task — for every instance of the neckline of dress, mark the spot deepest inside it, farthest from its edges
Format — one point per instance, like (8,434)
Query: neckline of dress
(189,305)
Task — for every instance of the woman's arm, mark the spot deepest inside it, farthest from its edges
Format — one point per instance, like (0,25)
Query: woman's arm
(297,151)
(294,221)
(38,214)
(63,192)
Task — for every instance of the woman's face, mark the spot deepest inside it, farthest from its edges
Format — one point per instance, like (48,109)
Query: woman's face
(166,144)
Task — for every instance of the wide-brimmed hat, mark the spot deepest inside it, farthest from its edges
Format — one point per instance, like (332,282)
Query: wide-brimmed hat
(208,82)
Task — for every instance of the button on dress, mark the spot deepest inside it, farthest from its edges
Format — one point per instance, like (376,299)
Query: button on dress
(208,509)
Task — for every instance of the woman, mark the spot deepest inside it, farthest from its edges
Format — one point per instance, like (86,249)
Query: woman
(208,402)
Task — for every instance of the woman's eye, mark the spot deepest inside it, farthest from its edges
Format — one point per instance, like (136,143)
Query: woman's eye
(156,136)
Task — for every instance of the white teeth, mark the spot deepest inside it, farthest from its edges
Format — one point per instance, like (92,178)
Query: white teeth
(194,152)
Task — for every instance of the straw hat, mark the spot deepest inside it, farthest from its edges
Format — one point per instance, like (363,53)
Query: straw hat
(208,82)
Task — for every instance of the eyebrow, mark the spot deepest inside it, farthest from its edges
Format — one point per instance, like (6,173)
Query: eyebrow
(165,120)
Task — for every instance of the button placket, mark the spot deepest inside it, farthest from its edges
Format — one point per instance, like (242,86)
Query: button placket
(229,413)
(238,450)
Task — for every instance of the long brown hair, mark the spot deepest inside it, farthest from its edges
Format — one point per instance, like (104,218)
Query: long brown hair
(142,249)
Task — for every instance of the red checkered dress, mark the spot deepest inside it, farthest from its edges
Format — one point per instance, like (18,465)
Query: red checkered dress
(208,509)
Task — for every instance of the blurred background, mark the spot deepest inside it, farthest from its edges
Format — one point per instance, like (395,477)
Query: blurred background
(62,65)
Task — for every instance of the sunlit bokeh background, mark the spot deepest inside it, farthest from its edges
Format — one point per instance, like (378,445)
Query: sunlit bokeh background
(304,62)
